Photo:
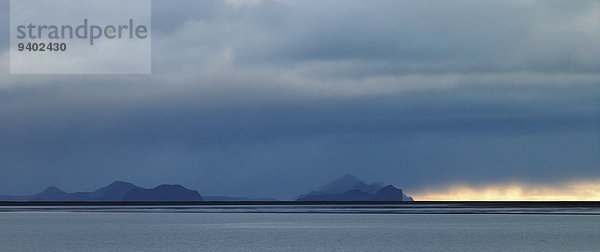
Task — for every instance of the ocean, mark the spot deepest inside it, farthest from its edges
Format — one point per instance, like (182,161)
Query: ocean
(291,228)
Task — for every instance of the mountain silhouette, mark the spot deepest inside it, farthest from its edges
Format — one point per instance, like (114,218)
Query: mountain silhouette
(51,193)
(389,193)
(162,193)
(117,191)
(353,195)
(347,183)
(345,188)
(350,188)
(113,192)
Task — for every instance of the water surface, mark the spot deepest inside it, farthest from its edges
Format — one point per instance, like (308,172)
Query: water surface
(96,230)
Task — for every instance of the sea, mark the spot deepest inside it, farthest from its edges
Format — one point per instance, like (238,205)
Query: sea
(371,227)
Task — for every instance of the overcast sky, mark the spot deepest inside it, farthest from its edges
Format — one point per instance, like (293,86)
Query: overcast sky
(277,97)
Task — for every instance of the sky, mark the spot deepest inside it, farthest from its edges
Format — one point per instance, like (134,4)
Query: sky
(274,98)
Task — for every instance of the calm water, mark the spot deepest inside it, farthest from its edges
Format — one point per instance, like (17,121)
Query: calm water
(180,231)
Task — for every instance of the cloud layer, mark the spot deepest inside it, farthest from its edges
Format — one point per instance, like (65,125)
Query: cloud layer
(274,98)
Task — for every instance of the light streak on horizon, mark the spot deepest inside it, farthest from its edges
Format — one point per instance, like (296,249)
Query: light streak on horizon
(571,191)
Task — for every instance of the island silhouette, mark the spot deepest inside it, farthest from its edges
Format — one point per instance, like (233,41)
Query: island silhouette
(350,188)
(345,188)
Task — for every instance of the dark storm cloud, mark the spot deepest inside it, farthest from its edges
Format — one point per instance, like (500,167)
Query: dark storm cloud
(273,98)
(277,143)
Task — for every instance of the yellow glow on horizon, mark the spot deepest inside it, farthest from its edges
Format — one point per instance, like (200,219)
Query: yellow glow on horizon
(573,191)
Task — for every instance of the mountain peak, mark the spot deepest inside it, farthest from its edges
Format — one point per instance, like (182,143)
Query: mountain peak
(115,191)
(347,183)
(163,193)
(171,187)
(50,193)
(119,183)
(52,190)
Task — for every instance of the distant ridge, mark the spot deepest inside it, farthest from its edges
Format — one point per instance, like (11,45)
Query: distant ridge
(117,191)
(350,188)
(50,193)
(162,193)
(345,188)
